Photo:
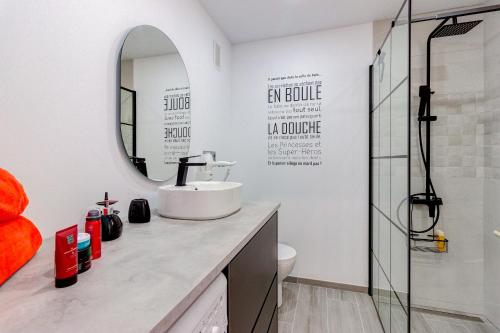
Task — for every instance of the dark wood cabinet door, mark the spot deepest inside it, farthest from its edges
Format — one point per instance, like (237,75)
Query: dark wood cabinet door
(250,277)
(267,312)
(273,327)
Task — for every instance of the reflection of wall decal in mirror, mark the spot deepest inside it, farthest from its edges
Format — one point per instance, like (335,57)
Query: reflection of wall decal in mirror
(155,103)
(177,124)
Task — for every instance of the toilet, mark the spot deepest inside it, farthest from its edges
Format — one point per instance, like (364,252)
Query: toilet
(286,261)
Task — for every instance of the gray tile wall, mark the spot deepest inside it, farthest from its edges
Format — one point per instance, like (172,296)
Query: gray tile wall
(451,281)
(491,148)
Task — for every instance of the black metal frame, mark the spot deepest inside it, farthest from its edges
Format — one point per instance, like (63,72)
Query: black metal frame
(370,187)
(134,121)
(408,171)
(459,13)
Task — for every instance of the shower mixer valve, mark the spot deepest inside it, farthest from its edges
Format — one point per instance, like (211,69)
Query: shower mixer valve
(431,201)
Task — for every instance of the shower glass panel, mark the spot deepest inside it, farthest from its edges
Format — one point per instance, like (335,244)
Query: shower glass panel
(491,208)
(128,119)
(455,188)
(389,180)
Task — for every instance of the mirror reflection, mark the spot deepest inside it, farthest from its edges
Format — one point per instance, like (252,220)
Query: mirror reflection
(155,103)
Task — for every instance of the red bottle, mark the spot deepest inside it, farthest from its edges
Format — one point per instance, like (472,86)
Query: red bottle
(66,257)
(93,227)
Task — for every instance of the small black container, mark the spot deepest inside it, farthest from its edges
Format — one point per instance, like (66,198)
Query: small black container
(138,211)
(111,227)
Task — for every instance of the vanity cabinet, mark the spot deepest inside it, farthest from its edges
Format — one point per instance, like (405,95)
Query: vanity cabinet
(252,283)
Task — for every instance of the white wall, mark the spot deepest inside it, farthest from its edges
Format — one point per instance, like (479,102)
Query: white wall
(324,209)
(58,131)
(127,74)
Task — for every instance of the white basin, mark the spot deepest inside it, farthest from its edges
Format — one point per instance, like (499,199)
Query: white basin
(199,200)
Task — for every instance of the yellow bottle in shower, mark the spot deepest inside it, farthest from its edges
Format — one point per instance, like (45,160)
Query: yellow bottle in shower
(441,244)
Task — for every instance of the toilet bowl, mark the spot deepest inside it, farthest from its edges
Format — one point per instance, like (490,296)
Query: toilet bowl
(286,261)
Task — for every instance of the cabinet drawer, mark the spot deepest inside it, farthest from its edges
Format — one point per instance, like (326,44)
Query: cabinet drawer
(250,276)
(266,315)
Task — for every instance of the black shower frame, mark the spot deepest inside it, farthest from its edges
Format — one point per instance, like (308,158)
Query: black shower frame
(444,17)
(134,120)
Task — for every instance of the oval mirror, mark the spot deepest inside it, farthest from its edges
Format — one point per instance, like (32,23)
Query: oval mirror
(155,103)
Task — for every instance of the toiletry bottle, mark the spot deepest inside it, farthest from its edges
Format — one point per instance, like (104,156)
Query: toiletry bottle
(441,244)
(93,227)
(84,252)
(66,257)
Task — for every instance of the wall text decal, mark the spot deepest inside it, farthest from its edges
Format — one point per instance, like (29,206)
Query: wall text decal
(294,123)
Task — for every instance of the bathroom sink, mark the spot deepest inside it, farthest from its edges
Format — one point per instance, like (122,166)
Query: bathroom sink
(199,200)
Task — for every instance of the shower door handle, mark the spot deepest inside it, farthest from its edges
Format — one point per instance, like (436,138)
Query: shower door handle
(497,233)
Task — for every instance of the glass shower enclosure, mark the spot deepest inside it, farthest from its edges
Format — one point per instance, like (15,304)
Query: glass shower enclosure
(389,181)
(434,218)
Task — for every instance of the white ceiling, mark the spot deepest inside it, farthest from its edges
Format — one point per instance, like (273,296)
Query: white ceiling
(146,41)
(248,20)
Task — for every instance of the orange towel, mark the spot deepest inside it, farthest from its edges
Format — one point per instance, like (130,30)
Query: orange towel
(13,200)
(19,241)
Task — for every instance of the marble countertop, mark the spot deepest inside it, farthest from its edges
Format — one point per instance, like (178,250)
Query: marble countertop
(143,282)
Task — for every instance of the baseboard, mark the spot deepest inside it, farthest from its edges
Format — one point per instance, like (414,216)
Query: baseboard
(327,284)
(448,313)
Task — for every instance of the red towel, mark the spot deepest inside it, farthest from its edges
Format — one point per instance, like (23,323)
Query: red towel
(13,200)
(19,241)
(19,238)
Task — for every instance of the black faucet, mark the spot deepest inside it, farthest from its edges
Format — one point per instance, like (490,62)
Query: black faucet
(183,169)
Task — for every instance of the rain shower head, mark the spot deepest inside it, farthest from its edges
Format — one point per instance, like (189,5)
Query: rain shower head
(455,29)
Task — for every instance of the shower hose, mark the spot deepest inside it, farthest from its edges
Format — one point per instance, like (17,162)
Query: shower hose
(437,215)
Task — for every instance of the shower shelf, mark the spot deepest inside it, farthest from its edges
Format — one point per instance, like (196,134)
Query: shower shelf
(428,248)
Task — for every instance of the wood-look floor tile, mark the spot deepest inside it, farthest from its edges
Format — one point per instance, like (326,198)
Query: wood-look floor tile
(286,311)
(418,323)
(480,327)
(385,314)
(344,317)
(399,319)
(341,295)
(284,327)
(311,316)
(474,327)
(446,326)
(471,326)
(369,317)
(311,309)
